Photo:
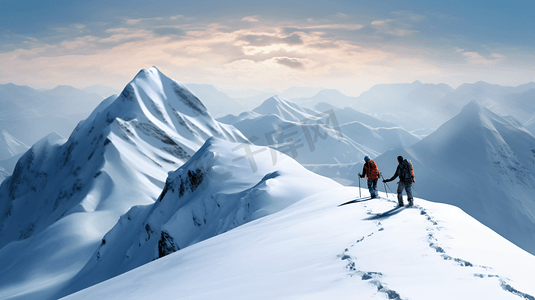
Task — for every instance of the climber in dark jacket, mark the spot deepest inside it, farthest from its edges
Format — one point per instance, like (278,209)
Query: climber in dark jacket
(406,178)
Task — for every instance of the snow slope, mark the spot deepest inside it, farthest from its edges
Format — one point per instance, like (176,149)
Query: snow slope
(65,195)
(215,191)
(483,164)
(316,249)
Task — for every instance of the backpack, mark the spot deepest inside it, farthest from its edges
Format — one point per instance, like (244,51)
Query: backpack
(372,170)
(407,171)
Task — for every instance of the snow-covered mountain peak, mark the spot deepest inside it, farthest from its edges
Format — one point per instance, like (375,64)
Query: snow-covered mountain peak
(473,107)
(474,115)
(117,158)
(284,108)
(153,94)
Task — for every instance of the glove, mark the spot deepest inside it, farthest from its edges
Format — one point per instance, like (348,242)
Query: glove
(361,176)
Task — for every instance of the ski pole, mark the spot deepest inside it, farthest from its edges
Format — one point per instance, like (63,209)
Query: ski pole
(386,186)
(386,192)
(360,196)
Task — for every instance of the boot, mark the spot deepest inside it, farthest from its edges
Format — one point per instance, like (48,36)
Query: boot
(400,204)
(411,203)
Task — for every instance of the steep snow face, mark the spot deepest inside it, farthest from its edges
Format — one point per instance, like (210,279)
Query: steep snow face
(482,163)
(117,158)
(218,189)
(316,249)
(10,146)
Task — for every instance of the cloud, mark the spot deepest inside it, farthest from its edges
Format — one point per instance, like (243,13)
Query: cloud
(140,20)
(259,54)
(293,63)
(333,26)
(400,26)
(381,22)
(478,59)
(409,15)
(169,30)
(270,39)
(250,19)
(121,35)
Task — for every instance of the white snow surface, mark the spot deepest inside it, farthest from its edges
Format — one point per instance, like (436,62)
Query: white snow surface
(316,249)
(64,196)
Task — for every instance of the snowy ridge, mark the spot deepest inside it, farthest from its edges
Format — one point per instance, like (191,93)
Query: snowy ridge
(323,251)
(214,192)
(116,159)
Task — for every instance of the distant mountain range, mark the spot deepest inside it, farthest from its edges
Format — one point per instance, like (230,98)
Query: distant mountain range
(333,136)
(30,115)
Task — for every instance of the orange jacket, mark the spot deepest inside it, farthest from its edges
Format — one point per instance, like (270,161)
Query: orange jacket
(371,170)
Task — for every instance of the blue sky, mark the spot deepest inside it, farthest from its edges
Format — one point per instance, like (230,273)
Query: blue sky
(347,45)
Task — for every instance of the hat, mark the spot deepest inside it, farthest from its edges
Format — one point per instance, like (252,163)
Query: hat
(400,158)
(366,158)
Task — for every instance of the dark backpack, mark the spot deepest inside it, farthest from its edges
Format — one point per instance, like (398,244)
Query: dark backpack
(407,171)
